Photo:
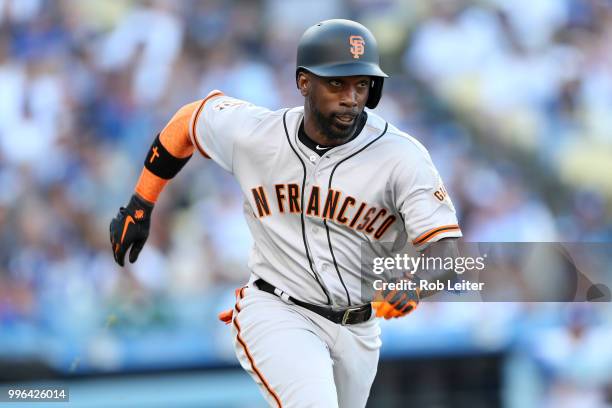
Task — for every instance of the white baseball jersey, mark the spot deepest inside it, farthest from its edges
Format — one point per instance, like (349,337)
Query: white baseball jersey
(310,214)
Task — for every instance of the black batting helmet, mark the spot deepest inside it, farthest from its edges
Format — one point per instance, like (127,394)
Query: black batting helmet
(334,48)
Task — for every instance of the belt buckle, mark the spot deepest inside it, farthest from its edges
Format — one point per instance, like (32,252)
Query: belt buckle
(347,313)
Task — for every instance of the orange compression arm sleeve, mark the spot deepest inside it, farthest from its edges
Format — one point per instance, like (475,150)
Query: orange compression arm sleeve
(175,139)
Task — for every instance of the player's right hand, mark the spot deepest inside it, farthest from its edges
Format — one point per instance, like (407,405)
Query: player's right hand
(130,228)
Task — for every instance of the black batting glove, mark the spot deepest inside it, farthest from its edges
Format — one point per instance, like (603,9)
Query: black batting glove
(130,228)
(395,303)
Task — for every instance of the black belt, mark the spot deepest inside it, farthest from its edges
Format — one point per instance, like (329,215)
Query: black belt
(349,315)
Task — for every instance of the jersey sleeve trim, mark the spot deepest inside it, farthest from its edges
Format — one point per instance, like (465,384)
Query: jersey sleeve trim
(194,122)
(428,236)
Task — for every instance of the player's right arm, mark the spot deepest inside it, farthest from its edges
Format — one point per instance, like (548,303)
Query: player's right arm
(169,152)
(211,125)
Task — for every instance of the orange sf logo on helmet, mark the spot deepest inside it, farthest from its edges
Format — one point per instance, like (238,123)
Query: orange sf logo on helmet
(357,45)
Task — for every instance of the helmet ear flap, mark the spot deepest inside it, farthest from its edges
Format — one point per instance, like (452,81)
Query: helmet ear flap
(376,86)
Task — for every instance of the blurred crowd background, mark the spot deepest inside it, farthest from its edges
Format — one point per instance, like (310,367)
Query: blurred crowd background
(513,99)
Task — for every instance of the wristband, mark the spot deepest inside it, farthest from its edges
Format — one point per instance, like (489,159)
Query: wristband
(161,163)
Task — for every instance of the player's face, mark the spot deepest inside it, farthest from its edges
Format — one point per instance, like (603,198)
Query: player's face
(336,103)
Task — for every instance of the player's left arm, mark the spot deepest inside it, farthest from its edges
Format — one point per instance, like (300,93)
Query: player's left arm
(398,303)
(446,248)
(431,224)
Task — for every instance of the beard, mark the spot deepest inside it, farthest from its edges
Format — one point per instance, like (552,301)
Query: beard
(330,126)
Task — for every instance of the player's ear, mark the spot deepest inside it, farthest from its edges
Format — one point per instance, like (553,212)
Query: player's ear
(303,82)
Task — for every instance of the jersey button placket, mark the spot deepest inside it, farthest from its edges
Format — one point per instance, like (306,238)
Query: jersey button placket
(316,171)
(314,229)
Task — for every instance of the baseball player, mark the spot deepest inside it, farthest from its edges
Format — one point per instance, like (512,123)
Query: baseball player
(319,181)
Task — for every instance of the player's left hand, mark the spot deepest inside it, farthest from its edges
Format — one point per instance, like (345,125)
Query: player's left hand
(130,228)
(395,303)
